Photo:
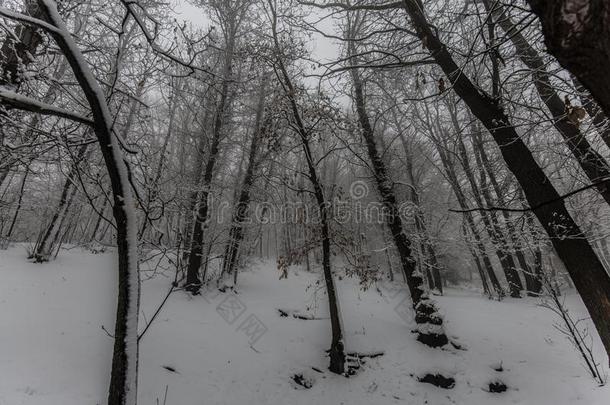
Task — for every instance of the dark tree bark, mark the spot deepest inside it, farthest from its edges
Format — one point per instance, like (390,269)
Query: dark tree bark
(337,349)
(577,33)
(236,233)
(592,163)
(579,258)
(196,174)
(193,281)
(123,379)
(429,322)
(432,264)
(16,55)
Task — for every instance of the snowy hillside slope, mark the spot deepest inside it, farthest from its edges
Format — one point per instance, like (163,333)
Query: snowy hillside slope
(226,348)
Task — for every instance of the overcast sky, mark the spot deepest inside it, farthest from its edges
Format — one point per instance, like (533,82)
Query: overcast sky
(322,48)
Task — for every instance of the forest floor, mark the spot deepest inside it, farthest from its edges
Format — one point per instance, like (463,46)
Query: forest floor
(226,348)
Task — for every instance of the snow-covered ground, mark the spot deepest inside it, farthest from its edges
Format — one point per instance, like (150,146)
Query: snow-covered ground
(222,348)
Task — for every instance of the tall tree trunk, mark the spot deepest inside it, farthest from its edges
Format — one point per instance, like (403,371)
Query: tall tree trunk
(337,349)
(193,282)
(429,322)
(124,375)
(428,246)
(236,233)
(196,174)
(579,258)
(592,163)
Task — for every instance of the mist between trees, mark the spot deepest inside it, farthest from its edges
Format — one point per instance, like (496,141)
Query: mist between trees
(339,211)
(455,143)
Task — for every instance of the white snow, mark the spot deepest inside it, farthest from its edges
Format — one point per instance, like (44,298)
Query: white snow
(87,80)
(54,351)
(43,108)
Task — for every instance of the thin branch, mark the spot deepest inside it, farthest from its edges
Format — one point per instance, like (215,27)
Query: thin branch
(571,193)
(347,7)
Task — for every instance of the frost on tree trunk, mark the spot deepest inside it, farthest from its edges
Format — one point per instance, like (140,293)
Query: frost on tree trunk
(430,329)
(124,374)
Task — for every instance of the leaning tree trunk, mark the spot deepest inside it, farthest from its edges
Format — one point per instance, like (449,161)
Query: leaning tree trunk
(592,163)
(577,33)
(579,258)
(196,174)
(124,375)
(50,238)
(429,322)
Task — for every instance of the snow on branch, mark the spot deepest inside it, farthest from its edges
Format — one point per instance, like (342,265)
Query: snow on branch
(151,38)
(21,102)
